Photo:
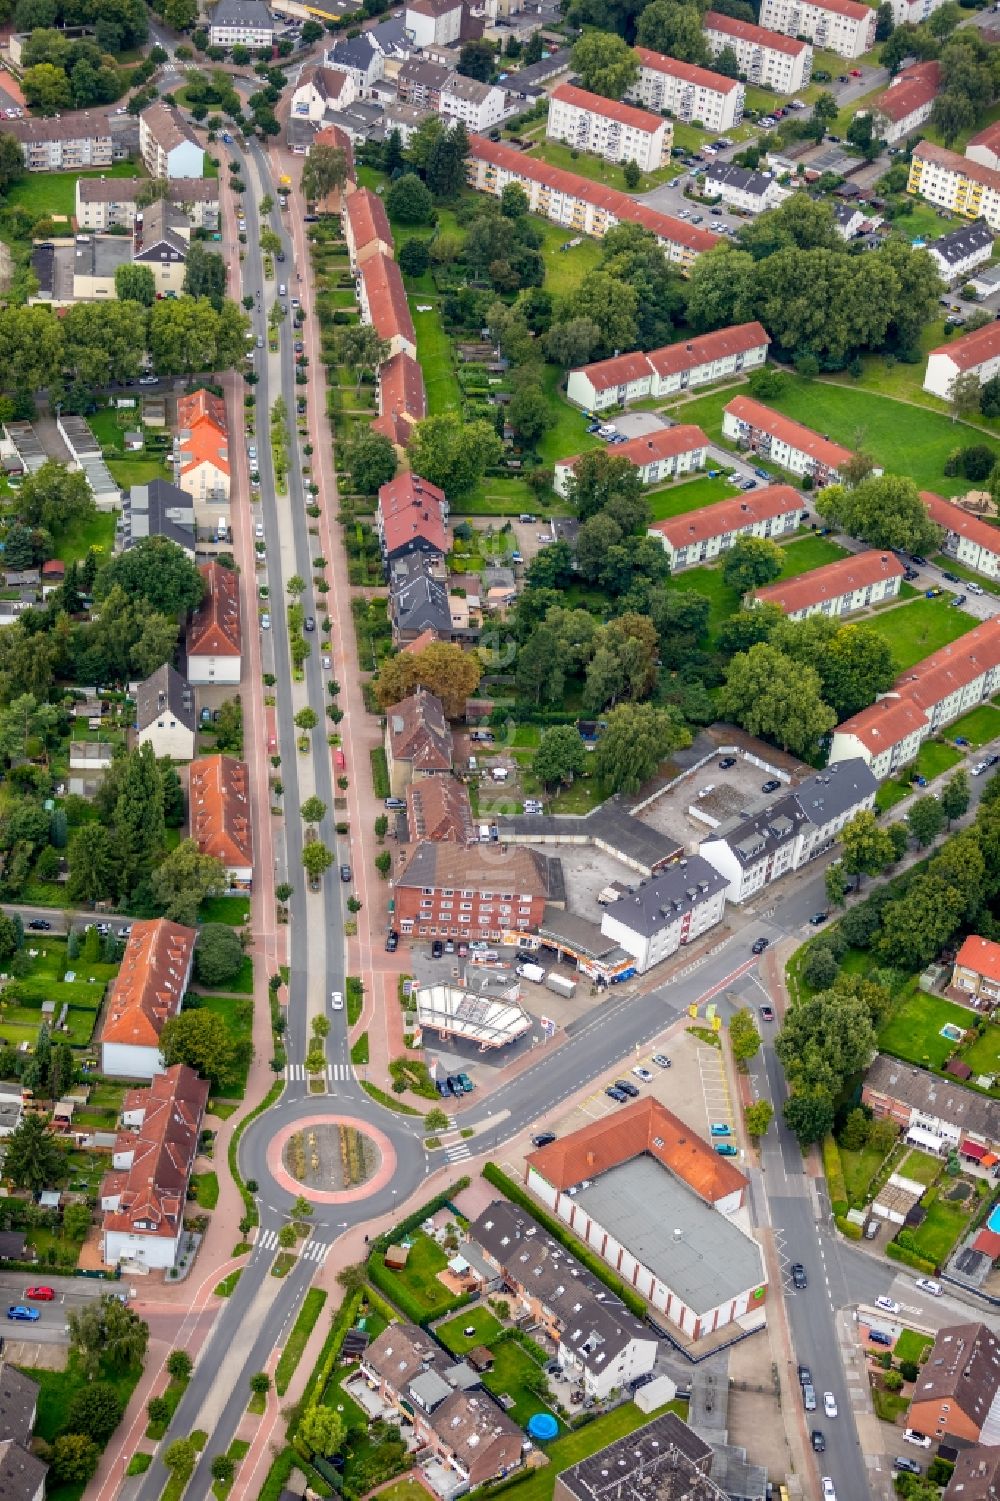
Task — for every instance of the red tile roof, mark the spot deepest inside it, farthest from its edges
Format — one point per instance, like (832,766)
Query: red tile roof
(831,581)
(851,8)
(410,507)
(673,359)
(989,137)
(913,88)
(214,629)
(728,515)
(201,419)
(387,305)
(759,36)
(152,1189)
(702,78)
(199,406)
(369,222)
(402,398)
(438,808)
(219,798)
(426,638)
(974,171)
(149,987)
(885,723)
(945,513)
(627,209)
(667,443)
(981,955)
(619,371)
(969,351)
(625,114)
(793,433)
(988,1241)
(645,1126)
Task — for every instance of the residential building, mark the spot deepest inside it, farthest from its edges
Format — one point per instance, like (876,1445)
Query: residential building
(842,26)
(201,449)
(434,22)
(938,1115)
(676,367)
(144,1195)
(907,102)
(366,227)
(383,303)
(977,971)
(976,353)
(661,915)
(967,538)
(22,1473)
(402,398)
(580,205)
(478,105)
(626,1184)
(853,583)
(984,148)
(956,1396)
(657,456)
(687,92)
(447,892)
(165,714)
(160,238)
(241,23)
(104,203)
(158,509)
(957,255)
(72,270)
(765,58)
(418,741)
(438,808)
(700,536)
(418,604)
(753,426)
(361,58)
(146,993)
(340,140)
(913,11)
(976,1476)
(219,814)
(214,634)
(789,829)
(617,132)
(665,1458)
(848,220)
(923,700)
(741,188)
(80,139)
(422,82)
(167,144)
(959,183)
(412,516)
(320,89)
(598,1341)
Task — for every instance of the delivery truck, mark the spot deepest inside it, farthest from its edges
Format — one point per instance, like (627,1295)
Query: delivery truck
(560,984)
(533,972)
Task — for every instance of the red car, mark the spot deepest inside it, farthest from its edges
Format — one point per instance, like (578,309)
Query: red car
(856,73)
(41,1294)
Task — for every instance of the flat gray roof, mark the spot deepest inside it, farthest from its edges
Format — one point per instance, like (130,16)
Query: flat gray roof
(711,1261)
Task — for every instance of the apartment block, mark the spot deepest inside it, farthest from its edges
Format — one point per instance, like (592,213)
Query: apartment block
(617,132)
(743,188)
(402,399)
(765,58)
(967,538)
(954,182)
(977,354)
(957,1393)
(959,254)
(104,203)
(219,814)
(854,583)
(146,993)
(907,102)
(241,23)
(687,92)
(168,146)
(366,227)
(383,303)
(214,635)
(662,915)
(842,26)
(657,456)
(80,139)
(443,891)
(984,148)
(478,105)
(701,536)
(675,367)
(798,449)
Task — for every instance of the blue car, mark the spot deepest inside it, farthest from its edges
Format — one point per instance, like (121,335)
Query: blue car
(762,474)
(961,740)
(26,1315)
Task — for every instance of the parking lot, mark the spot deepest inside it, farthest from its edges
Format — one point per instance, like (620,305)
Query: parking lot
(731,790)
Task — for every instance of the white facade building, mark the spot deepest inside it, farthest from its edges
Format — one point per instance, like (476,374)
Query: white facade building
(687,92)
(167,145)
(165,715)
(907,102)
(670,910)
(958,254)
(977,353)
(842,26)
(741,188)
(618,132)
(434,23)
(967,539)
(241,23)
(701,536)
(798,449)
(955,182)
(675,367)
(853,583)
(479,106)
(765,58)
(658,456)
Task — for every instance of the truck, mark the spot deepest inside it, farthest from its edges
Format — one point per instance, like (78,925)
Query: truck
(533,972)
(560,984)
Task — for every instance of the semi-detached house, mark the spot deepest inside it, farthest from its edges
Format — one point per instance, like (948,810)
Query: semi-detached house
(977,353)
(146,993)
(675,367)
(955,182)
(937,1115)
(977,971)
(219,811)
(967,538)
(412,516)
(798,449)
(418,741)
(700,536)
(842,26)
(657,456)
(958,255)
(618,132)
(766,58)
(743,188)
(687,92)
(854,583)
(383,303)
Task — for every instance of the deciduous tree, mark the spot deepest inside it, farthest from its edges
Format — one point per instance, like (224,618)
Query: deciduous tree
(925,819)
(752,562)
(200,1039)
(636,739)
(443,668)
(770,694)
(560,755)
(605,64)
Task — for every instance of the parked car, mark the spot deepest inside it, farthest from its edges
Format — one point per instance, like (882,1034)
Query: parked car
(20,1311)
(41,1294)
(952,578)
(661,1060)
(465,1083)
(818,918)
(805,1376)
(39,925)
(928,1285)
(771,785)
(829,1404)
(627,1088)
(911,1466)
(543,1139)
(391,941)
(727,762)
(443,1088)
(437,949)
(395,804)
(889,1304)
(809,1398)
(613,1093)
(913,1436)
(880,1337)
(725,1150)
(799,1278)
(643,1074)
(829,1492)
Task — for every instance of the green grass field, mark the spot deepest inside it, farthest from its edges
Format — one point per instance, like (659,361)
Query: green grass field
(859,1170)
(939,1231)
(983,1055)
(933,758)
(920,1167)
(692,495)
(45,193)
(917,629)
(913,1031)
(434,354)
(808,553)
(978,726)
(485,1326)
(910,1345)
(420,1274)
(237,1013)
(98,531)
(568,436)
(598,170)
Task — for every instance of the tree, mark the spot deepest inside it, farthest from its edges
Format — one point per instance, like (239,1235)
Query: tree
(757,1118)
(107,1330)
(409,201)
(205,274)
(183,879)
(222,1467)
(307,718)
(453,454)
(74,1458)
(835,884)
(989,400)
(200,1039)
(674,29)
(885,22)
(530,412)
(824,1039)
(371,460)
(76,1221)
(443,668)
(360,346)
(181,1458)
(915,926)
(600,477)
(260,1383)
(12,167)
(819,968)
(218,956)
(91,864)
(414,257)
(156,571)
(560,755)
(54,498)
(744,1039)
(325,170)
(925,820)
(316,858)
(572,343)
(95,1410)
(751,563)
(135,284)
(180,15)
(636,739)
(476,61)
(33,1158)
(885,512)
(187,335)
(605,64)
(867,848)
(313,810)
(632,173)
(964,395)
(46,88)
(955,795)
(809,1117)
(322,1429)
(770,694)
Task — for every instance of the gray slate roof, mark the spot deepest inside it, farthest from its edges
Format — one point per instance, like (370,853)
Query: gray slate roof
(611,826)
(421,604)
(663,1447)
(18,1400)
(242,13)
(939,1098)
(956,246)
(165,688)
(743,178)
(823,797)
(680,888)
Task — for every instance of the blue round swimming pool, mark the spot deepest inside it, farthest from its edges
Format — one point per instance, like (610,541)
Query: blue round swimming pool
(542,1425)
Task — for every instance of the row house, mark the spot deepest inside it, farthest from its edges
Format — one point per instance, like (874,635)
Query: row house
(765,58)
(907,102)
(977,971)
(957,183)
(967,539)
(957,255)
(742,188)
(383,303)
(976,1476)
(666,912)
(442,891)
(402,399)
(657,456)
(938,1115)
(366,227)
(22,1473)
(923,700)
(104,203)
(219,813)
(418,741)
(147,991)
(617,132)
(794,827)
(956,1397)
(214,638)
(701,536)
(846,27)
(438,808)
(165,714)
(241,23)
(854,583)
(412,517)
(676,367)
(167,144)
(201,451)
(984,148)
(144,1196)
(478,105)
(578,204)
(976,353)
(687,92)
(753,426)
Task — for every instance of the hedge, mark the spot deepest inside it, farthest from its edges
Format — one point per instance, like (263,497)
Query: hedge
(834,1169)
(896,1252)
(312,1307)
(415,1220)
(273,1094)
(847,1227)
(565,1237)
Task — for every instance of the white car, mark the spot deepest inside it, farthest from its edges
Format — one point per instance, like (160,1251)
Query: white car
(336,1001)
(928,1285)
(259,531)
(889,1304)
(829,1494)
(643,1074)
(830,1404)
(912,1436)
(265,621)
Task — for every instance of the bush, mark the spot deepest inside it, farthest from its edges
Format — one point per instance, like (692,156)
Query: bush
(892,1381)
(847,1227)
(218,955)
(897,1252)
(819,968)
(834,1169)
(909,1370)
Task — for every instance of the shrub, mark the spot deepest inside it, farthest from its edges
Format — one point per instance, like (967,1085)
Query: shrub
(833,1167)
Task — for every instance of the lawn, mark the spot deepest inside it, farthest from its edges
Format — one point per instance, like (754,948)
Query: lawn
(933,758)
(859,1170)
(808,553)
(678,500)
(483,1324)
(497,495)
(206,1190)
(137,471)
(76,540)
(45,193)
(539,1484)
(515,1368)
(565,269)
(910,1345)
(232,910)
(920,627)
(913,1031)
(921,1168)
(978,726)
(939,1231)
(724,600)
(568,436)
(57,1389)
(598,170)
(420,1275)
(237,1013)
(983,1055)
(434,352)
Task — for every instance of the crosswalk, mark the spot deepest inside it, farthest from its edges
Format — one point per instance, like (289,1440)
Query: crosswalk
(458,1152)
(334,1072)
(313,1250)
(267,1240)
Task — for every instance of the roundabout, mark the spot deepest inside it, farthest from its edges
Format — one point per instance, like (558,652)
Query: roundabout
(354,1157)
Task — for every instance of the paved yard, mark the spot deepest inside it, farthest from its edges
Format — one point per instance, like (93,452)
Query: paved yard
(669,814)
